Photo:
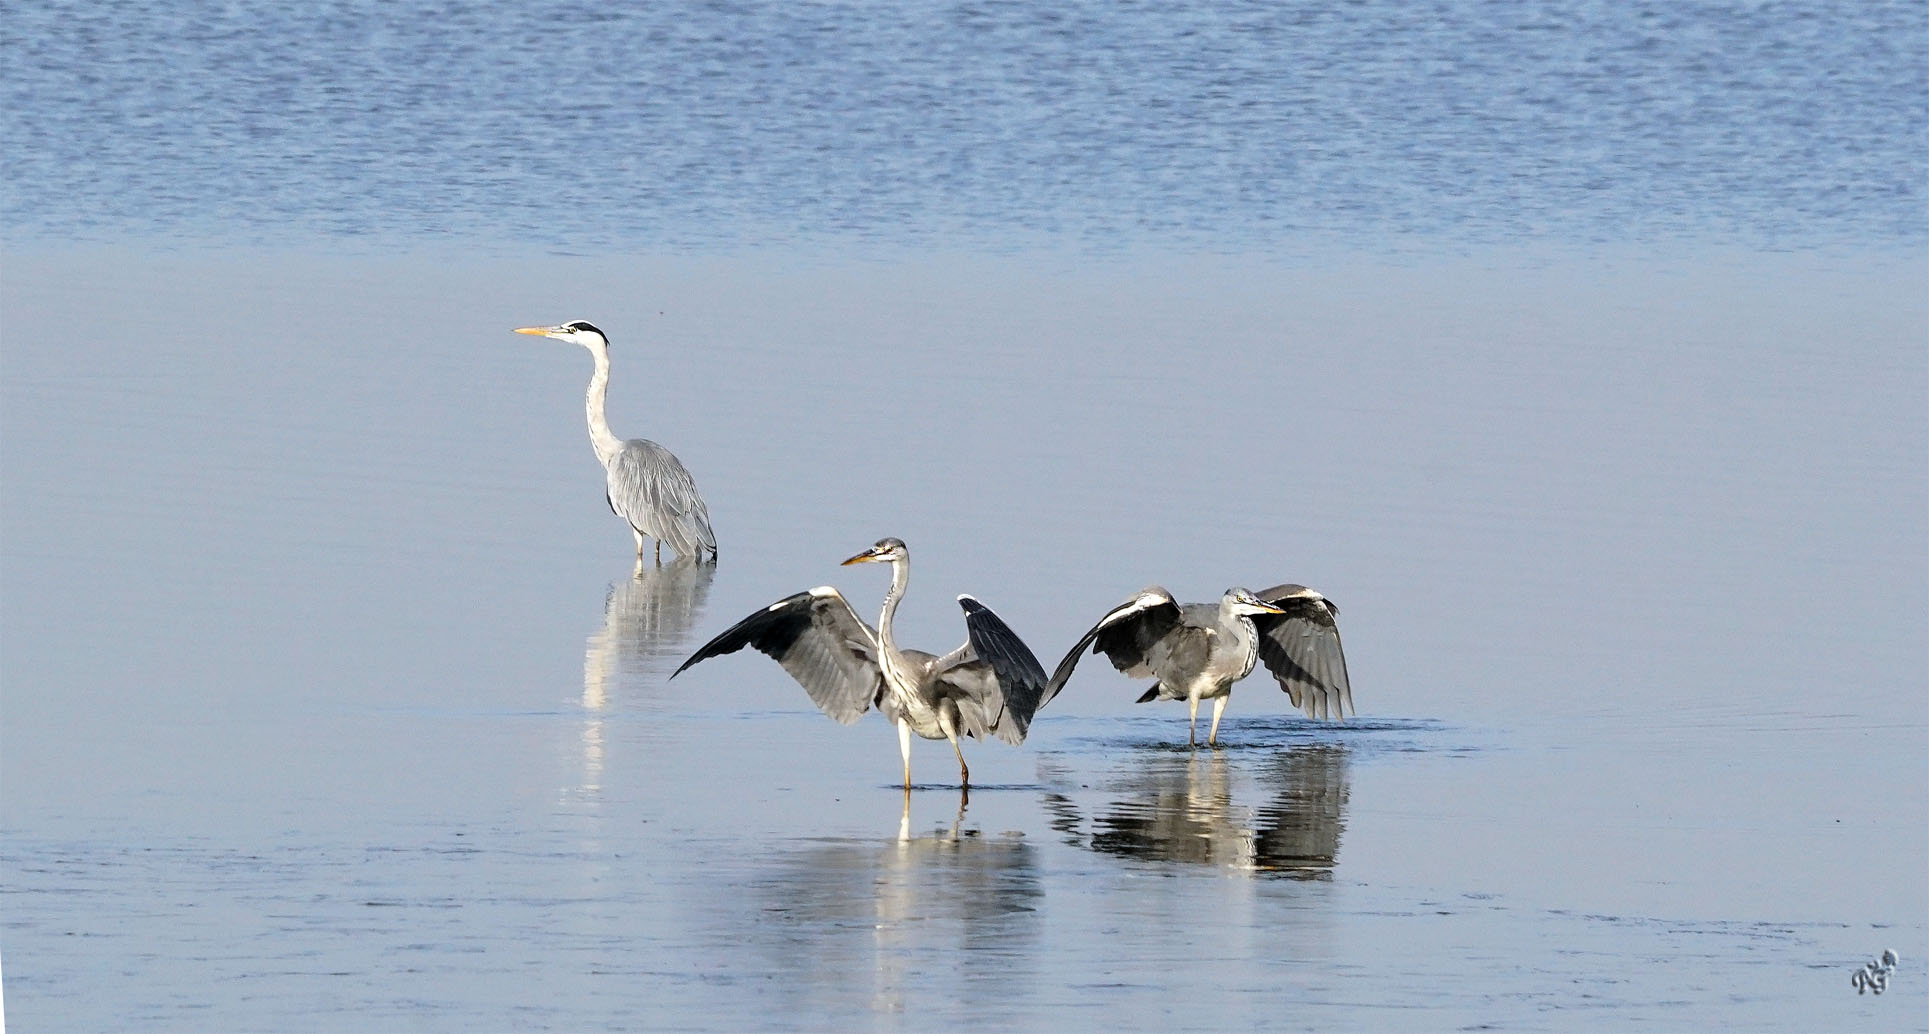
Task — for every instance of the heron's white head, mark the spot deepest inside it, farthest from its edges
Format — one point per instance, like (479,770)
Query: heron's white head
(1244,603)
(582,332)
(887,551)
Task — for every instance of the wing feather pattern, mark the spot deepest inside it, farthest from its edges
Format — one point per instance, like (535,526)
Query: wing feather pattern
(1126,635)
(1016,675)
(1302,650)
(819,640)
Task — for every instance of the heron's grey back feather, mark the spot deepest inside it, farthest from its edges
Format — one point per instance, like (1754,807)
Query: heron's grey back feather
(1301,648)
(650,488)
(1184,651)
(820,641)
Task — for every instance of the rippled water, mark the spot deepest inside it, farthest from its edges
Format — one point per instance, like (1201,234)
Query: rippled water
(584,126)
(1578,351)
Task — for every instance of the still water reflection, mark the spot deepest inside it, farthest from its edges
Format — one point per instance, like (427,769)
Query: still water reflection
(646,620)
(1198,808)
(952,911)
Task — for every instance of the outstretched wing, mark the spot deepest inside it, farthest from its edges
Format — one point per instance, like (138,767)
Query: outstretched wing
(1302,649)
(998,671)
(650,488)
(824,645)
(1128,634)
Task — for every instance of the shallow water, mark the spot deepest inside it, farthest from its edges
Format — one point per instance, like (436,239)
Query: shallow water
(1577,351)
(331,700)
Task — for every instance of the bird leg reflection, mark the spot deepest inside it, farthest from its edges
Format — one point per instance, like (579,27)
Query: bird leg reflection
(904,817)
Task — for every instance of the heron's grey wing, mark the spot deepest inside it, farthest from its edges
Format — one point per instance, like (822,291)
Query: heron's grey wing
(820,641)
(1017,676)
(1125,635)
(1302,650)
(972,685)
(1180,655)
(652,490)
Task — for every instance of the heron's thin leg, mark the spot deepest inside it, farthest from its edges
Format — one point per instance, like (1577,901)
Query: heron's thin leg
(1192,728)
(659,551)
(904,747)
(639,543)
(950,728)
(1218,708)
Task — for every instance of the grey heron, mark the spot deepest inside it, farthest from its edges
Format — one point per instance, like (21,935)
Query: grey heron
(647,486)
(1199,650)
(990,686)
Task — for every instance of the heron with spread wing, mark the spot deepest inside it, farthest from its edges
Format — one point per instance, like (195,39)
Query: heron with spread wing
(990,686)
(648,486)
(1197,651)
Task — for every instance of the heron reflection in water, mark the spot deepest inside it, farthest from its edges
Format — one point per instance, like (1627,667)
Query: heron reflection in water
(647,619)
(870,909)
(1184,808)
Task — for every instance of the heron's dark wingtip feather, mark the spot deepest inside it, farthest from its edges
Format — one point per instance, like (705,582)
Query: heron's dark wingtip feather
(748,631)
(819,641)
(1063,673)
(1021,679)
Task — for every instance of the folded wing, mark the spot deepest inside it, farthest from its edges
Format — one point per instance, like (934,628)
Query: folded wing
(651,489)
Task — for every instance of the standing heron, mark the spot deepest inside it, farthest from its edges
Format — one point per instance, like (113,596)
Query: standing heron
(1199,650)
(648,486)
(991,685)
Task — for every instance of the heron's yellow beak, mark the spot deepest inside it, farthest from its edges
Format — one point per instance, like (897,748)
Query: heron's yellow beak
(866,557)
(1271,609)
(538,331)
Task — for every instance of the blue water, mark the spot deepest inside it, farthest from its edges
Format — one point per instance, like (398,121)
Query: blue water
(1579,351)
(1248,127)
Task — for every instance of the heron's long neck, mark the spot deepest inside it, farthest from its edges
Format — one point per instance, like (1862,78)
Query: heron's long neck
(1244,632)
(601,437)
(900,577)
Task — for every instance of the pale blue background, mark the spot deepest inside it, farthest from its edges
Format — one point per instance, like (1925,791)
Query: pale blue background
(1577,350)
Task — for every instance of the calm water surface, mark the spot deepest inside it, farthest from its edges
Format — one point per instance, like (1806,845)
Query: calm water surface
(1578,351)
